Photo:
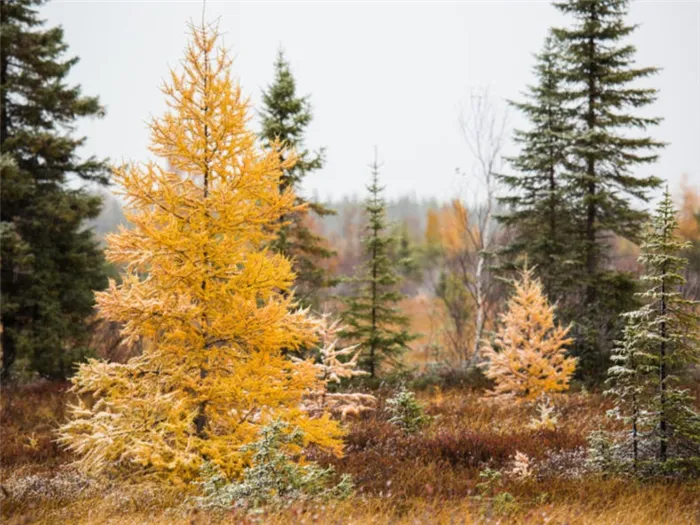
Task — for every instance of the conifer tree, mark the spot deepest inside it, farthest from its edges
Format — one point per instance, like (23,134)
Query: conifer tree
(285,117)
(372,318)
(528,356)
(661,339)
(50,262)
(537,207)
(608,145)
(204,293)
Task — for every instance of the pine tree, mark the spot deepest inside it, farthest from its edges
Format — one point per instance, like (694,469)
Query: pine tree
(528,356)
(537,206)
(285,117)
(372,318)
(203,292)
(50,262)
(661,339)
(608,144)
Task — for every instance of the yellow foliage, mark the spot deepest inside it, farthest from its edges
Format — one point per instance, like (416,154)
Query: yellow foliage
(432,229)
(457,234)
(527,357)
(202,291)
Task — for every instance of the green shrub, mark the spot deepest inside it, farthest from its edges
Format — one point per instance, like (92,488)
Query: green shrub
(274,479)
(406,412)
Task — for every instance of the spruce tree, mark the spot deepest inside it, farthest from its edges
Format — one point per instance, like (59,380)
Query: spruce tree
(600,76)
(50,262)
(608,144)
(372,318)
(661,340)
(285,117)
(537,206)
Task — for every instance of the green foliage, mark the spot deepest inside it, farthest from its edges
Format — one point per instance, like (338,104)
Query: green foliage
(538,207)
(406,412)
(407,255)
(285,117)
(607,145)
(600,76)
(597,325)
(274,479)
(50,262)
(661,339)
(605,454)
(504,503)
(372,318)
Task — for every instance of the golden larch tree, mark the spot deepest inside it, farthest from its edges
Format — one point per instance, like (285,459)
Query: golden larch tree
(202,291)
(527,357)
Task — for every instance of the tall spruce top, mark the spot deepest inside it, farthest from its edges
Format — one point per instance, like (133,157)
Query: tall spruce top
(602,83)
(39,108)
(538,205)
(285,117)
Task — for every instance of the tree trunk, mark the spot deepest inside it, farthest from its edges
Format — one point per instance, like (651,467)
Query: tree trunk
(663,430)
(479,278)
(635,435)
(201,418)
(591,211)
(372,350)
(9,352)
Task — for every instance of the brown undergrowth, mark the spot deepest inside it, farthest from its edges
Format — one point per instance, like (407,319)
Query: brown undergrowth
(458,470)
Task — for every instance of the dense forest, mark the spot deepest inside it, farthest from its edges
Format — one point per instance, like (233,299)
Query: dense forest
(195,337)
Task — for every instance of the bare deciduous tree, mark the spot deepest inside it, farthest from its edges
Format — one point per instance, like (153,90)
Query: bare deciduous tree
(483,127)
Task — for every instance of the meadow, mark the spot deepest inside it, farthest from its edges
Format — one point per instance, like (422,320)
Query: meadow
(459,469)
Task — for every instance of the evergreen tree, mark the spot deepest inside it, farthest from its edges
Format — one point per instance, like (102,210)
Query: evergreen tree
(661,340)
(211,310)
(50,262)
(372,318)
(601,87)
(538,207)
(599,71)
(285,117)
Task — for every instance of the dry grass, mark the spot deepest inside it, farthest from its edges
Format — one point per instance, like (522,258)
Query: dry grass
(428,478)
(29,416)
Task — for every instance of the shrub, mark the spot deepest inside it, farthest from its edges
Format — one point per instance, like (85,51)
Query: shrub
(547,418)
(605,453)
(406,412)
(274,479)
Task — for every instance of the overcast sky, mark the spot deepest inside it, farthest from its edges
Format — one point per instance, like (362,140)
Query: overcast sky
(391,74)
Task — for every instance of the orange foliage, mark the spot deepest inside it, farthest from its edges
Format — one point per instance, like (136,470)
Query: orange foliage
(528,357)
(203,292)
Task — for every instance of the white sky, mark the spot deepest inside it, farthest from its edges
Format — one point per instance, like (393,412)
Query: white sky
(391,74)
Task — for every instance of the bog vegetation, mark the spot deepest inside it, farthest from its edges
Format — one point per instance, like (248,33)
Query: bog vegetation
(236,352)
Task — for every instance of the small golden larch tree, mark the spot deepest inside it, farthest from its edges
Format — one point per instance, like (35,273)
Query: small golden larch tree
(202,291)
(334,365)
(527,357)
